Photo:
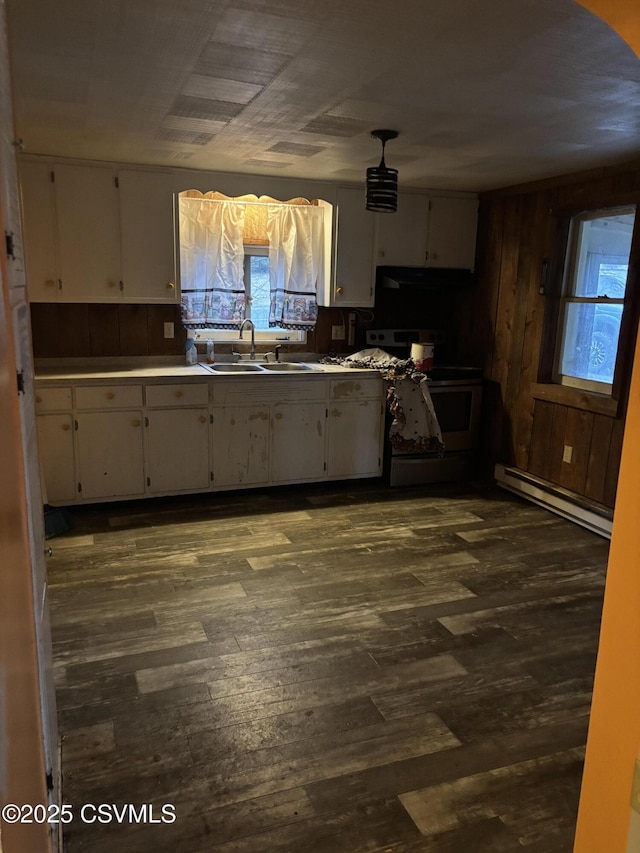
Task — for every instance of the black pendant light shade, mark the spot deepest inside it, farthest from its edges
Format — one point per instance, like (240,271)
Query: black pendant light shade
(382,182)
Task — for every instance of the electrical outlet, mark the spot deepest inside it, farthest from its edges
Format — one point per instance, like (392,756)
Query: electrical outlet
(567,454)
(168,330)
(337,333)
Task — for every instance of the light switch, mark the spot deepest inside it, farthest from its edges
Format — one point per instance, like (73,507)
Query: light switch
(168,330)
(337,333)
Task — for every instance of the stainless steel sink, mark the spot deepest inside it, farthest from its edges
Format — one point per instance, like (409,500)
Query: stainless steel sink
(234,368)
(286,366)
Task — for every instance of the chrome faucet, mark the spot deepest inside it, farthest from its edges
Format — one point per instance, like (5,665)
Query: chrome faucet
(252,353)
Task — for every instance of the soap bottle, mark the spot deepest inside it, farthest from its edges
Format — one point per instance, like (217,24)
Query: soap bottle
(191,352)
(210,356)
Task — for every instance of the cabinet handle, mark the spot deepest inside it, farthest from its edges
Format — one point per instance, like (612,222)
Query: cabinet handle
(109,395)
(111,284)
(202,419)
(381,253)
(121,283)
(339,290)
(66,427)
(278,416)
(171,286)
(50,283)
(179,394)
(38,399)
(135,423)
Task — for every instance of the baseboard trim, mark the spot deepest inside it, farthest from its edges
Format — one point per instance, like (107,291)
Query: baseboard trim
(555,499)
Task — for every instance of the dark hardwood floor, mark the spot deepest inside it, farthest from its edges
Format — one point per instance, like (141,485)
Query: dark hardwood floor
(344,668)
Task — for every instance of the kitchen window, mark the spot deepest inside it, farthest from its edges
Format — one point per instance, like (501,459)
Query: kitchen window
(251,258)
(257,303)
(593,298)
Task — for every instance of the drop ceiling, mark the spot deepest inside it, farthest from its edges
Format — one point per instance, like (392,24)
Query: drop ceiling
(484,93)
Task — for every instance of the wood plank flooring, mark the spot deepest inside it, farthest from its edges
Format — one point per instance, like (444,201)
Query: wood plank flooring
(345,668)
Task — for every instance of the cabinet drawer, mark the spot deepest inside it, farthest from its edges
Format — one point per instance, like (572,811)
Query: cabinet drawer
(355,388)
(53,399)
(108,396)
(187,394)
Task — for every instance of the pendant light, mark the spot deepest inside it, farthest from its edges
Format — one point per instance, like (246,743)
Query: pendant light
(382,182)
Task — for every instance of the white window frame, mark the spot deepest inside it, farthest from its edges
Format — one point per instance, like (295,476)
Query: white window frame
(568,297)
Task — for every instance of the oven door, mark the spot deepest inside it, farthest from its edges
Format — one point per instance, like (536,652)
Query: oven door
(457,407)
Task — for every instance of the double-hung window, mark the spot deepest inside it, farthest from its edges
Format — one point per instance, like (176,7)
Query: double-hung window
(593,297)
(258,299)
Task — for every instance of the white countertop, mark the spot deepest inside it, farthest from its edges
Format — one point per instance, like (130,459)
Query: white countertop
(136,372)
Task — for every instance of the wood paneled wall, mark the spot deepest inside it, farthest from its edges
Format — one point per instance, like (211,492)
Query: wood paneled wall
(72,330)
(502,327)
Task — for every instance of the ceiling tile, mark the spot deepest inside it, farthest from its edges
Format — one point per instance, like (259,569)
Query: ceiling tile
(296,149)
(230,62)
(184,136)
(219,89)
(197,125)
(263,31)
(185,105)
(269,164)
(328,125)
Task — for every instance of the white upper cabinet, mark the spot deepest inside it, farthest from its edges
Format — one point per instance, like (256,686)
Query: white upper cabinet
(402,236)
(146,222)
(43,284)
(428,230)
(88,226)
(351,284)
(451,232)
(94,234)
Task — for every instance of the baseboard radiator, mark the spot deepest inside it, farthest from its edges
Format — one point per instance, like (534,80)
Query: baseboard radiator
(556,499)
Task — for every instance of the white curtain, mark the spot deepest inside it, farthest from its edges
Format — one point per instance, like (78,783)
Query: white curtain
(295,255)
(211,263)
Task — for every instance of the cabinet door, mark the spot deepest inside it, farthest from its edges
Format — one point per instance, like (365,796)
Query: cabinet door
(241,445)
(298,441)
(86,200)
(146,220)
(451,239)
(55,449)
(355,439)
(110,457)
(402,236)
(178,450)
(39,231)
(353,283)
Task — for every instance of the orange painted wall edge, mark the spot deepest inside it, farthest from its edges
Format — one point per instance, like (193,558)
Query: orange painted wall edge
(614,730)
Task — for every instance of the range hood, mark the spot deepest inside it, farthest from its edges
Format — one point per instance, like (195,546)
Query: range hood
(422,278)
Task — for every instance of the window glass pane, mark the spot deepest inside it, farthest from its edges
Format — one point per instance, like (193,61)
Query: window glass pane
(602,256)
(260,294)
(590,341)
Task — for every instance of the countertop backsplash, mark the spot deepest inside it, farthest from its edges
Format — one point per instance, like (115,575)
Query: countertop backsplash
(78,330)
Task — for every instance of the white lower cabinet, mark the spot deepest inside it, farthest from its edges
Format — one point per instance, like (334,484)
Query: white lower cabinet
(177,450)
(55,447)
(355,428)
(241,445)
(104,442)
(298,441)
(110,454)
(354,439)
